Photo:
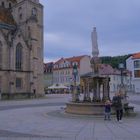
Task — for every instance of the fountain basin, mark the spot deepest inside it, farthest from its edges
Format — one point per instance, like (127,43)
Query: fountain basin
(85,108)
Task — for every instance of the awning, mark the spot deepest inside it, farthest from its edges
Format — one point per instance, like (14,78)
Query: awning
(60,86)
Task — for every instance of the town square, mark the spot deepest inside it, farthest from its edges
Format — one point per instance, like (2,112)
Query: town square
(69,70)
(45,119)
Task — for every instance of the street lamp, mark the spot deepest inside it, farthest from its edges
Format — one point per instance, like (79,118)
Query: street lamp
(75,97)
(123,89)
(121,67)
(122,86)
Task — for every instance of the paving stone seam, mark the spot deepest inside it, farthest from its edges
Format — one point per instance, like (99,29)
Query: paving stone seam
(129,131)
(114,136)
(81,129)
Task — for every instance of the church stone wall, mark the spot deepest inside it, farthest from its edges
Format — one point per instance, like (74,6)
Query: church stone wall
(29,34)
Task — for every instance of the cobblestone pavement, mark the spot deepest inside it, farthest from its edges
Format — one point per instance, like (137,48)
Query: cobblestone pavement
(45,119)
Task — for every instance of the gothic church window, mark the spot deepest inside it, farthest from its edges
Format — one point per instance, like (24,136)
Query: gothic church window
(18,57)
(20,13)
(10,5)
(18,83)
(20,16)
(34,12)
(0,82)
(19,10)
(3,5)
(0,55)
(39,53)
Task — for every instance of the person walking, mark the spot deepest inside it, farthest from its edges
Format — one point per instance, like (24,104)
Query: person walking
(117,103)
(0,94)
(107,110)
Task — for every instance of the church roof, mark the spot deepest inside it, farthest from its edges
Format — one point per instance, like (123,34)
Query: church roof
(6,17)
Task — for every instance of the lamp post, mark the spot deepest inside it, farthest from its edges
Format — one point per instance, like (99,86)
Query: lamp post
(122,86)
(121,67)
(123,89)
(75,97)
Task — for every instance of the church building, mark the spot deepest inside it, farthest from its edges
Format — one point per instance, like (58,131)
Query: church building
(21,47)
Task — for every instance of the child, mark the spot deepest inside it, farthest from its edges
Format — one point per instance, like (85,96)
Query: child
(107,110)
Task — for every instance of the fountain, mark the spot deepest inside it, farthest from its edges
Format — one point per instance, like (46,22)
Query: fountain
(92,80)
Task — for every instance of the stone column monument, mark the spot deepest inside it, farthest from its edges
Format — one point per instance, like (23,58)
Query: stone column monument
(93,81)
(95,61)
(95,50)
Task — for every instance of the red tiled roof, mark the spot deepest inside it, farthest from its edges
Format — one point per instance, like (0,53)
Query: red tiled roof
(60,60)
(136,56)
(71,59)
(106,69)
(75,58)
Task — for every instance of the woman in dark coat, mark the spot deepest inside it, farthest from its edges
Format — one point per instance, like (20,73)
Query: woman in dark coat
(117,103)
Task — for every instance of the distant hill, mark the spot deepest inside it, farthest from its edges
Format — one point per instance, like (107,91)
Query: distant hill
(114,61)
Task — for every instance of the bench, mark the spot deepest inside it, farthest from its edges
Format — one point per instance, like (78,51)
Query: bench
(129,109)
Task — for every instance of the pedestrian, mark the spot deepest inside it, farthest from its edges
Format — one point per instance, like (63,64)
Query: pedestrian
(34,92)
(117,103)
(0,94)
(107,110)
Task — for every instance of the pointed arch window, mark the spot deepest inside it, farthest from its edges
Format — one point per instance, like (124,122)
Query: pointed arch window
(34,12)
(0,55)
(19,10)
(3,5)
(18,57)
(10,5)
(20,15)
(0,83)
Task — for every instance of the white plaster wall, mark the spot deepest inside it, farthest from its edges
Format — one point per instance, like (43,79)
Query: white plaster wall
(130,65)
(136,82)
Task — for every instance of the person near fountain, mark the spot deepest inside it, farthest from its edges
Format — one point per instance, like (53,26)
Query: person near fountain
(117,103)
(107,110)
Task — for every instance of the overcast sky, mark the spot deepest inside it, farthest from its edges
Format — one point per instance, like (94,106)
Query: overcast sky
(68,25)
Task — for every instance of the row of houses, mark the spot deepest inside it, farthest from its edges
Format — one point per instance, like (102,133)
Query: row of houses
(61,72)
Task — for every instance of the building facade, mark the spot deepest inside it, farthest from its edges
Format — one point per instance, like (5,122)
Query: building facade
(48,74)
(21,46)
(63,69)
(133,65)
(116,79)
(63,73)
